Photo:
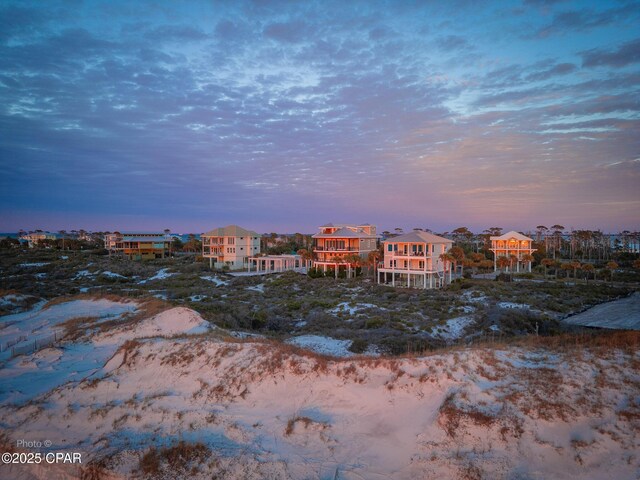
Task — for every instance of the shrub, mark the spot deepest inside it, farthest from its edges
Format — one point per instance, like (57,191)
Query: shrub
(374,322)
(358,345)
(315,273)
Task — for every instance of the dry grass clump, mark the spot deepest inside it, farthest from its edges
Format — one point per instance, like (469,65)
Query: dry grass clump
(95,470)
(306,421)
(180,458)
(452,416)
(543,394)
(6,444)
(607,340)
(129,351)
(76,328)
(186,354)
(629,415)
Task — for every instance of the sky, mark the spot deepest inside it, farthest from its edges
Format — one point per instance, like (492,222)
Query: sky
(282,116)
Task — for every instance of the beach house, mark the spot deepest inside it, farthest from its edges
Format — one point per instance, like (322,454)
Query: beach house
(515,247)
(229,246)
(414,260)
(137,245)
(343,247)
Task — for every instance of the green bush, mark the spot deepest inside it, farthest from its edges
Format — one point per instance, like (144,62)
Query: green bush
(374,322)
(358,345)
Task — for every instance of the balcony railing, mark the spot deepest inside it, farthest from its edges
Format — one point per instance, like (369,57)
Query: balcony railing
(409,269)
(336,249)
(409,254)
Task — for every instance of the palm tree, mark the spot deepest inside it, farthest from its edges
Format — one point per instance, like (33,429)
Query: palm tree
(566,267)
(527,257)
(485,264)
(588,268)
(373,258)
(612,266)
(502,262)
(447,259)
(353,260)
(477,259)
(469,263)
(513,259)
(458,255)
(307,256)
(547,262)
(576,265)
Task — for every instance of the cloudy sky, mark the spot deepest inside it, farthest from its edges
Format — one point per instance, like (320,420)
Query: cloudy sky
(282,115)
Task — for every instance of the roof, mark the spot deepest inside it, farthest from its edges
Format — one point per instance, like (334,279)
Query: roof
(340,225)
(230,231)
(344,233)
(418,237)
(157,238)
(275,257)
(512,234)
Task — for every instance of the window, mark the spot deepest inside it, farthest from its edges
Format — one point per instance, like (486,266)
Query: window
(390,247)
(231,241)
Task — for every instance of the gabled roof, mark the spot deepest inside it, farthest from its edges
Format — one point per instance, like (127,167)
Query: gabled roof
(344,233)
(230,231)
(157,238)
(418,237)
(512,234)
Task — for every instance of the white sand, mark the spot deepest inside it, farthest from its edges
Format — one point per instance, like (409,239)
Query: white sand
(266,413)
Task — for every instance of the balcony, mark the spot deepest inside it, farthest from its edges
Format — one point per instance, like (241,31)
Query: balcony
(417,254)
(408,270)
(335,249)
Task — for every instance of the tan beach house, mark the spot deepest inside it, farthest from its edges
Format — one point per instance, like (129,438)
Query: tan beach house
(230,246)
(516,247)
(413,260)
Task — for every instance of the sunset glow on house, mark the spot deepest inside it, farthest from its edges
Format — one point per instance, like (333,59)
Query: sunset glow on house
(515,247)
(138,245)
(343,246)
(229,246)
(414,260)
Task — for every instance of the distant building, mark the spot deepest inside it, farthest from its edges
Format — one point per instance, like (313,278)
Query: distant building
(33,238)
(276,263)
(230,246)
(512,243)
(413,260)
(334,244)
(138,245)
